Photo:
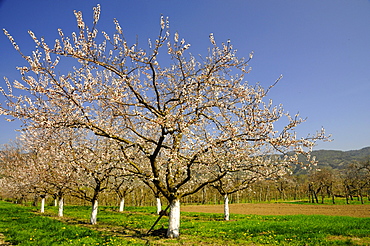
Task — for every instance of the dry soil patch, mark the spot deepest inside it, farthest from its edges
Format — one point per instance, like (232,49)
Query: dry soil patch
(284,209)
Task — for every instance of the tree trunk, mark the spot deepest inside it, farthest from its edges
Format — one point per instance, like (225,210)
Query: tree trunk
(322,198)
(42,210)
(34,203)
(122,204)
(174,219)
(226,207)
(159,204)
(60,206)
(315,194)
(268,193)
(347,194)
(142,197)
(94,211)
(311,193)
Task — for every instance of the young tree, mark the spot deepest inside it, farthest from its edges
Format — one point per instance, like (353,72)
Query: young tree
(96,160)
(357,179)
(23,172)
(123,185)
(321,182)
(157,196)
(53,160)
(247,169)
(14,184)
(168,109)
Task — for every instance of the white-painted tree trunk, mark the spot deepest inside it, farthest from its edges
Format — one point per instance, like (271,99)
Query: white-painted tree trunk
(226,207)
(42,210)
(122,204)
(174,219)
(55,202)
(159,204)
(60,206)
(94,212)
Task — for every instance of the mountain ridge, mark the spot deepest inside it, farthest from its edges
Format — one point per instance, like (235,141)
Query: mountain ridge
(338,159)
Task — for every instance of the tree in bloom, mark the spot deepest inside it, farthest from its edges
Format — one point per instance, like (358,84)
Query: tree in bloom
(41,163)
(14,182)
(54,160)
(96,161)
(23,172)
(171,112)
(247,170)
(122,185)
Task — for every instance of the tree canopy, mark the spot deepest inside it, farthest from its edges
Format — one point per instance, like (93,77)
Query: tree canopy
(182,121)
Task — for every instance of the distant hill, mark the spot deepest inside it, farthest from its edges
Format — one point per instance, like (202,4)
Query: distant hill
(339,159)
(335,159)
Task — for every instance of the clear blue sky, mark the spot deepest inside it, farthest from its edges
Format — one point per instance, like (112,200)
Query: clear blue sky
(321,47)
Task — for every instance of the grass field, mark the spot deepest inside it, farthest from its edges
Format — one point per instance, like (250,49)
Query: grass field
(25,226)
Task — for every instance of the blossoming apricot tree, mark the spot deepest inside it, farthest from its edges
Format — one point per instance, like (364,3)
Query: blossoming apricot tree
(171,112)
(51,161)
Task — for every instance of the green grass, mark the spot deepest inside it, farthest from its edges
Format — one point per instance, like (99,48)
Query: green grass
(22,226)
(285,230)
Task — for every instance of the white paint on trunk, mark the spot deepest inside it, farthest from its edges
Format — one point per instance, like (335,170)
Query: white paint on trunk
(94,212)
(42,205)
(55,202)
(122,204)
(174,219)
(159,204)
(226,207)
(60,206)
